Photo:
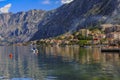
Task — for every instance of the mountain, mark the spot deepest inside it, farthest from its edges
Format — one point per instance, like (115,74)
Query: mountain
(20,26)
(77,14)
(38,24)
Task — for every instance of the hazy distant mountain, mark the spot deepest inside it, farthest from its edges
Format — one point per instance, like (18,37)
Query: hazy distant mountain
(37,24)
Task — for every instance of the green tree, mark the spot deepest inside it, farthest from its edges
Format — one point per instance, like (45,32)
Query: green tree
(82,42)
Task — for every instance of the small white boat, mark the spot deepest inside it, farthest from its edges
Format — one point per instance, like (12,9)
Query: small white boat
(34,50)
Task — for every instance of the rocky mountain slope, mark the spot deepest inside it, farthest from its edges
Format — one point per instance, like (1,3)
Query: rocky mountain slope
(20,26)
(78,14)
(37,24)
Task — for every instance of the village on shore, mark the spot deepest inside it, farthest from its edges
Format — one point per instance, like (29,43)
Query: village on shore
(106,34)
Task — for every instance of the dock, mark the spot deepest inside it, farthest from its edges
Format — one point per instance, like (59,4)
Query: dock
(110,50)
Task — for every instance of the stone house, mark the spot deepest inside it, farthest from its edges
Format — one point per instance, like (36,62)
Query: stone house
(113,36)
(84,32)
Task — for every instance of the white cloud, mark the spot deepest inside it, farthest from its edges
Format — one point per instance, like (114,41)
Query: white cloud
(46,2)
(6,8)
(66,1)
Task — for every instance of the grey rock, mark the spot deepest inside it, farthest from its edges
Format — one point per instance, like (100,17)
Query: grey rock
(21,26)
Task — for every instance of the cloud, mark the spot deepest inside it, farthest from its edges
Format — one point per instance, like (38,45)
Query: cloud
(66,1)
(46,2)
(6,8)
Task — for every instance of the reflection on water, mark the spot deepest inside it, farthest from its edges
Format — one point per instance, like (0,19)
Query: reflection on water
(58,63)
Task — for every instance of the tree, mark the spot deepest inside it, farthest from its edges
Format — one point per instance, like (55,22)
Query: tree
(82,42)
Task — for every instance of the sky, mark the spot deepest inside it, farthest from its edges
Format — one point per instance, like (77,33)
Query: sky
(15,6)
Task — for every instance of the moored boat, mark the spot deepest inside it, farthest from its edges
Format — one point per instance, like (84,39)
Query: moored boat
(110,50)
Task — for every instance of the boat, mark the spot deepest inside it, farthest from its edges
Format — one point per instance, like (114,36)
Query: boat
(110,50)
(34,50)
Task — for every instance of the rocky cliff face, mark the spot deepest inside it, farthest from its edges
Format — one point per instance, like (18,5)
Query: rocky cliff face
(20,26)
(37,24)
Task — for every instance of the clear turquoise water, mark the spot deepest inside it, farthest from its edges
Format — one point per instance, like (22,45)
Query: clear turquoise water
(58,63)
